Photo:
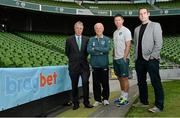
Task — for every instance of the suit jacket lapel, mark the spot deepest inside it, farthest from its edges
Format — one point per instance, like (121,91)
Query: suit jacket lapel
(82,43)
(137,34)
(75,43)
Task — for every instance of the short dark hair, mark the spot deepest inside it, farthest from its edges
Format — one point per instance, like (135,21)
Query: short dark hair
(119,15)
(143,8)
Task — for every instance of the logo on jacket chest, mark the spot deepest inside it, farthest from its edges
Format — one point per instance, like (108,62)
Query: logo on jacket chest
(120,33)
(99,43)
(102,42)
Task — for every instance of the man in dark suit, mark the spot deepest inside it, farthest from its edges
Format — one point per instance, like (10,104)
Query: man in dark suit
(76,51)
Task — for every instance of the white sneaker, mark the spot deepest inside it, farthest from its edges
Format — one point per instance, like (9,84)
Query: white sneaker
(96,104)
(106,102)
(154,109)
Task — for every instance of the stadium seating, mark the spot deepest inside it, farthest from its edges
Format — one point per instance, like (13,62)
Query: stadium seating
(55,3)
(18,52)
(22,49)
(117,6)
(54,42)
(171,50)
(168,5)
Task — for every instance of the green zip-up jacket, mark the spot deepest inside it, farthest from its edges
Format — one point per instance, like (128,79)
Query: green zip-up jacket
(99,48)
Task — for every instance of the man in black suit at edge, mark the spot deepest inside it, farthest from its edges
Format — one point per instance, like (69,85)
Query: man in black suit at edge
(76,51)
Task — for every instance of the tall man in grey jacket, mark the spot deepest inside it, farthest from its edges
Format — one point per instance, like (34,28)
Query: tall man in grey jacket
(148,41)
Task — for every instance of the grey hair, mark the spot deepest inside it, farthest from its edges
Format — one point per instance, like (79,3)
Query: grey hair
(98,24)
(78,23)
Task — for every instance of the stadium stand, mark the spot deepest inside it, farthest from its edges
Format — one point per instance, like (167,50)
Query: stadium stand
(168,5)
(33,35)
(54,42)
(109,6)
(117,6)
(171,50)
(23,49)
(18,52)
(55,3)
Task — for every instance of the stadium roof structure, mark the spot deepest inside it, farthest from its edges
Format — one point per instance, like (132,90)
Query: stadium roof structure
(89,9)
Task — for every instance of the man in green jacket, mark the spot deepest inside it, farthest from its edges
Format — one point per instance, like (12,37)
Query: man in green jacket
(98,48)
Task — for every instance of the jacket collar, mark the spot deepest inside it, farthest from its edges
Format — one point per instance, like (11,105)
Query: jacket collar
(100,36)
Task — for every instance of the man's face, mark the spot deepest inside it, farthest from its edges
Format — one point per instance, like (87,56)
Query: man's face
(99,28)
(144,15)
(118,21)
(78,30)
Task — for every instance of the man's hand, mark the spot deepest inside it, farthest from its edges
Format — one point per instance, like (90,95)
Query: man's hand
(125,59)
(151,58)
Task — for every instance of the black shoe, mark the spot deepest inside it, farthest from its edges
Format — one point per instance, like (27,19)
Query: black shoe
(88,106)
(68,103)
(75,107)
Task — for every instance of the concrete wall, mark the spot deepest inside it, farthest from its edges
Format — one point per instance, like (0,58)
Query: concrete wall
(165,74)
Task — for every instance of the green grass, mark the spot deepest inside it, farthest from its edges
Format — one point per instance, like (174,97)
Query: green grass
(171,106)
(84,112)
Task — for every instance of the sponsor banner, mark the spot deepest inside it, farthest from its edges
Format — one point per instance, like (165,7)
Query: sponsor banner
(23,85)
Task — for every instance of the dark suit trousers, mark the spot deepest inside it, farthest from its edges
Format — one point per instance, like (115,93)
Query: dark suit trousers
(85,84)
(152,67)
(100,77)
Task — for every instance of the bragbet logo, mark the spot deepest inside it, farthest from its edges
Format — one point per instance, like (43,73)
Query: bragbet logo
(13,86)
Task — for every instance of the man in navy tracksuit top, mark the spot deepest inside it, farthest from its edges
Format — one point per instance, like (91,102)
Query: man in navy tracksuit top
(98,48)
